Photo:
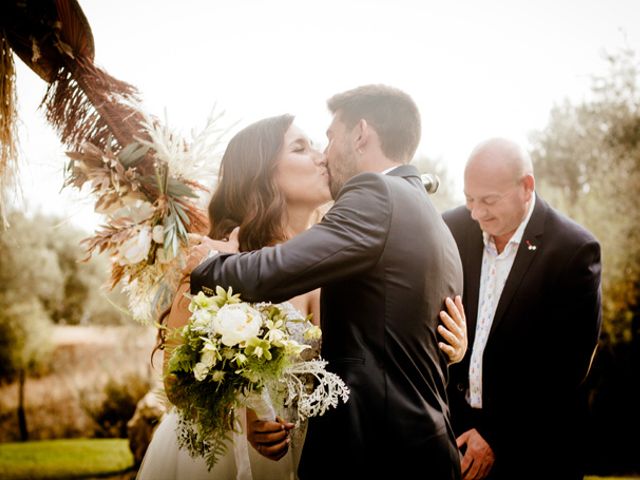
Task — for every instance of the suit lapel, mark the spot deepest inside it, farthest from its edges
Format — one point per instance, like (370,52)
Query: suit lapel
(527,250)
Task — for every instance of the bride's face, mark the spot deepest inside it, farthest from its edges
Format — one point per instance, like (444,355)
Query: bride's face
(301,173)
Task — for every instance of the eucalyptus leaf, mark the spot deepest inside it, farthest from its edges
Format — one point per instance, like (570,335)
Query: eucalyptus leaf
(176,188)
(182,214)
(132,154)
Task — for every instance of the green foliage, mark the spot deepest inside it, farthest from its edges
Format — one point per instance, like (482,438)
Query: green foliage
(41,259)
(114,407)
(25,337)
(64,459)
(587,163)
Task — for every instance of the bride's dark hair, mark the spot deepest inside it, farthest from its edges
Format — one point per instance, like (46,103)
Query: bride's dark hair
(247,195)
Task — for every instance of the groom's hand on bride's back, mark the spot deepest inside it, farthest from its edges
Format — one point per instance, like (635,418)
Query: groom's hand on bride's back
(269,439)
(202,247)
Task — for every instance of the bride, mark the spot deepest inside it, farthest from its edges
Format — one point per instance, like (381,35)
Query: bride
(272,185)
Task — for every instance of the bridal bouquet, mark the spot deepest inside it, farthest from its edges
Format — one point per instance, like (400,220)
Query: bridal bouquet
(237,354)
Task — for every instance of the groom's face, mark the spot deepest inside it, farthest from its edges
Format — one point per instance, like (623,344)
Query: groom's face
(340,154)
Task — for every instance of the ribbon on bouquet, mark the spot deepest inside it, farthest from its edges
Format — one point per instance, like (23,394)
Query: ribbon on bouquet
(263,406)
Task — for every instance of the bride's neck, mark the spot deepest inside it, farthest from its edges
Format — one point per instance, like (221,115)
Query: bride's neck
(298,220)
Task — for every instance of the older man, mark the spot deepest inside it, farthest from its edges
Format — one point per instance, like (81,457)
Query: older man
(532,297)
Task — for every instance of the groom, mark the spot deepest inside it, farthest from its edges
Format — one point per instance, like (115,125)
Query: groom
(385,261)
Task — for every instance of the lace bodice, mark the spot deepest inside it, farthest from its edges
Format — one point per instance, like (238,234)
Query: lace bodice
(297,326)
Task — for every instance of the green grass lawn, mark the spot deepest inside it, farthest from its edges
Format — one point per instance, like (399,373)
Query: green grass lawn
(82,458)
(610,478)
(58,459)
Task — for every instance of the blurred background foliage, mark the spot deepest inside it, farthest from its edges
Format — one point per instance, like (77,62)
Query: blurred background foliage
(587,164)
(44,290)
(41,261)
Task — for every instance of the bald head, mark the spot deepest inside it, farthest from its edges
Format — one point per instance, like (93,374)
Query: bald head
(498,186)
(502,157)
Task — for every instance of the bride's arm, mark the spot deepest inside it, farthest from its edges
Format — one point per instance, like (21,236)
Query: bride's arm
(453,330)
(178,317)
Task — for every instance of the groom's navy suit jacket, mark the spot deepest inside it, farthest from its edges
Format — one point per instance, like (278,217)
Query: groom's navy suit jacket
(541,341)
(385,261)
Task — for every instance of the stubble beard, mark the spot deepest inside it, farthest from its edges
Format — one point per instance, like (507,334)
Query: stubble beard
(349,168)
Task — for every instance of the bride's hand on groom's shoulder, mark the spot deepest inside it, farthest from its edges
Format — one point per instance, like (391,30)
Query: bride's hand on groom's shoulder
(453,330)
(202,247)
(269,439)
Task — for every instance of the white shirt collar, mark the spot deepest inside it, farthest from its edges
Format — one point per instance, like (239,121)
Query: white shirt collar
(384,172)
(517,235)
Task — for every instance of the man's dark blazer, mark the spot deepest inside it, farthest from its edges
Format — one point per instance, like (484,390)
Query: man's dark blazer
(543,335)
(385,261)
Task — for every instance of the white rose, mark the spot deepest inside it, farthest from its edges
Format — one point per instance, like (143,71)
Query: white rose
(158,234)
(237,323)
(136,248)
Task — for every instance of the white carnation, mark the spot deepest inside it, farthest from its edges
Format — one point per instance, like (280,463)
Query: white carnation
(237,323)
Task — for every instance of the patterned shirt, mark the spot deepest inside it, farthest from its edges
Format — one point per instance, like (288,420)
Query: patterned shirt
(495,270)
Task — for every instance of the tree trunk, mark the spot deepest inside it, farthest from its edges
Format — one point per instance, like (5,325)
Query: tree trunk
(22,419)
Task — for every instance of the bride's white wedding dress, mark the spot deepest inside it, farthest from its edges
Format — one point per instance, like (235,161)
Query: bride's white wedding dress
(165,460)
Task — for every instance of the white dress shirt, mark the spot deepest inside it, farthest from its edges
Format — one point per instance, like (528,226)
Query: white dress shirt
(384,172)
(494,273)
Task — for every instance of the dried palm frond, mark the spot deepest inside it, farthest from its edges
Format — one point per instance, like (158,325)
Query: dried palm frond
(144,176)
(199,158)
(8,122)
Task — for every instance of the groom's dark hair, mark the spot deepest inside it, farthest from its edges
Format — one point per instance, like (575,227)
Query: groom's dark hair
(390,112)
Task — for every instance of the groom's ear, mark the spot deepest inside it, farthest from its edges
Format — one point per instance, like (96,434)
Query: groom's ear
(361,132)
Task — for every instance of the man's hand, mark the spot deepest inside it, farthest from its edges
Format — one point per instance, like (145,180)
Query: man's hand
(453,330)
(270,439)
(202,247)
(478,458)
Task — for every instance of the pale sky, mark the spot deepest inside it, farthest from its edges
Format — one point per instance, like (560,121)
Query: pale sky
(475,68)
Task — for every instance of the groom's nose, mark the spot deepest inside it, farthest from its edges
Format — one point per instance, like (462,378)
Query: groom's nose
(320,159)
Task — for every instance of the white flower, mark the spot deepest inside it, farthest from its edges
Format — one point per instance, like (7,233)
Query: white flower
(136,248)
(201,301)
(158,234)
(237,323)
(200,371)
(202,319)
(276,336)
(209,355)
(138,211)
